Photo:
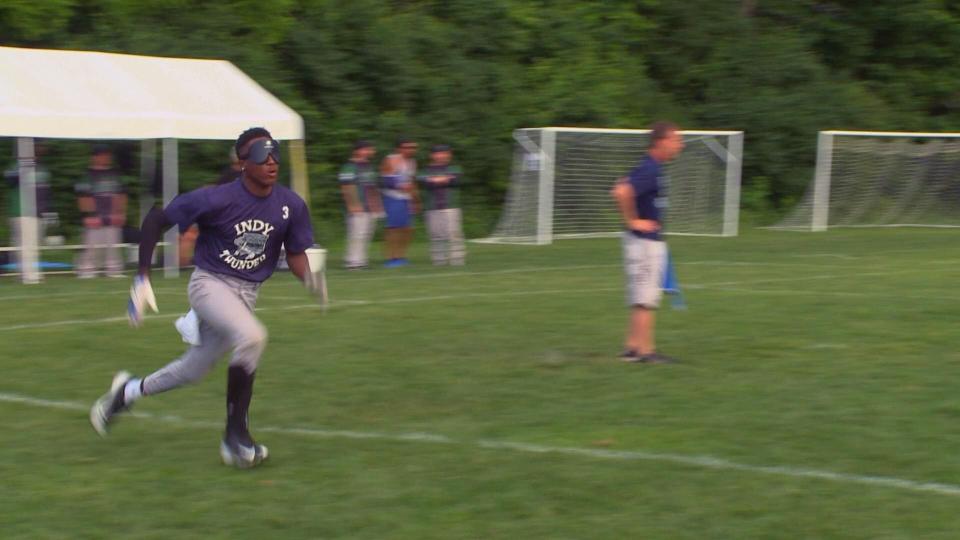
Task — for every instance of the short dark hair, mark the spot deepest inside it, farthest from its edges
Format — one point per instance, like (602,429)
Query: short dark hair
(404,140)
(249,135)
(661,130)
(440,148)
(362,143)
(101,148)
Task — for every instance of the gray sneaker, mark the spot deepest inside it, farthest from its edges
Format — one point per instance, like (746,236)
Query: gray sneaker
(109,404)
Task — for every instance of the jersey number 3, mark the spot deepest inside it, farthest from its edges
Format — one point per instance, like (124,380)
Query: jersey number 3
(286,212)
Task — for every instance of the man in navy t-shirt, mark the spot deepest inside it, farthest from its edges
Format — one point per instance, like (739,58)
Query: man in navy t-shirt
(243,225)
(642,200)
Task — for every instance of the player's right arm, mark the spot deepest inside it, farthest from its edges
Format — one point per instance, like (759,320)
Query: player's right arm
(185,210)
(388,165)
(141,292)
(154,225)
(625,196)
(388,173)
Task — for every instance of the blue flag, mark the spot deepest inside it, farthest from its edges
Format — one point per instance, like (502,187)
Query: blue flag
(671,286)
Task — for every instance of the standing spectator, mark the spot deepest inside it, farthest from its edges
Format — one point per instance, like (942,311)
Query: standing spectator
(642,198)
(400,200)
(441,182)
(103,205)
(358,184)
(14,210)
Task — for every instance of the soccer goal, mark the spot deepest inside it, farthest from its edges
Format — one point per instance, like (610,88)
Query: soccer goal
(881,179)
(561,180)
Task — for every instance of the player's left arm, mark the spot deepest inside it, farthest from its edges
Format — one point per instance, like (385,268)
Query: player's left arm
(415,203)
(455,177)
(298,238)
(299,265)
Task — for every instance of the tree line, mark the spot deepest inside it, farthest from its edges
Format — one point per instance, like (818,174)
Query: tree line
(469,72)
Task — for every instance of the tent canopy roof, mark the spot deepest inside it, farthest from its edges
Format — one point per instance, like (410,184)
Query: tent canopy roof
(93,95)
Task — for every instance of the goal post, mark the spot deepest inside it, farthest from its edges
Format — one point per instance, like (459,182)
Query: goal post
(561,179)
(881,179)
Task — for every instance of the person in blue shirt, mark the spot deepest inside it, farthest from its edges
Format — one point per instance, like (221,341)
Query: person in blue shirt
(400,200)
(642,200)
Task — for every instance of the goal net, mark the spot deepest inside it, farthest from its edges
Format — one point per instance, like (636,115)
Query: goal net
(561,180)
(881,179)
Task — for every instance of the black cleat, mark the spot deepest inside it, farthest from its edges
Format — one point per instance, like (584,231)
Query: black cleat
(630,356)
(109,404)
(240,451)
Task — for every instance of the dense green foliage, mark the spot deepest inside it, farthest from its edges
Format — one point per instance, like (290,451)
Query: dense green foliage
(468,72)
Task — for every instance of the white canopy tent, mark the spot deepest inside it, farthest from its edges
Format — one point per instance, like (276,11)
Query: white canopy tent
(93,95)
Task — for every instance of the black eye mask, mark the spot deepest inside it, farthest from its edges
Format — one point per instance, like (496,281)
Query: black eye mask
(260,150)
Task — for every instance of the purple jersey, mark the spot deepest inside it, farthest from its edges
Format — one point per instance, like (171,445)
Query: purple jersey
(240,233)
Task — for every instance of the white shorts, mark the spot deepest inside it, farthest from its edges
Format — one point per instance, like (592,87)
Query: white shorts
(645,264)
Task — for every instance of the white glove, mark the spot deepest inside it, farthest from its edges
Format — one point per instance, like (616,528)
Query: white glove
(141,297)
(316,283)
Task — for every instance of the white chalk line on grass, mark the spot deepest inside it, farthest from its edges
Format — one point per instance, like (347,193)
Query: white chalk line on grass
(431,275)
(333,305)
(351,279)
(719,286)
(807,278)
(828,294)
(68,294)
(707,462)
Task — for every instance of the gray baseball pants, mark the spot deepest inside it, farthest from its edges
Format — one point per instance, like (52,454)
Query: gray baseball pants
(101,238)
(446,236)
(224,305)
(360,227)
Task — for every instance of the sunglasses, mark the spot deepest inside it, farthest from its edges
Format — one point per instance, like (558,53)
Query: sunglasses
(261,150)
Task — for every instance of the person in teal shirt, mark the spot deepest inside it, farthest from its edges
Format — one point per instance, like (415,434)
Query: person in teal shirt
(361,198)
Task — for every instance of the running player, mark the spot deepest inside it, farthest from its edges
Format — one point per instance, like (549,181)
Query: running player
(243,225)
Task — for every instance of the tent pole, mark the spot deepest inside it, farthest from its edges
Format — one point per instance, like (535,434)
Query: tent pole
(148,176)
(298,170)
(171,256)
(29,224)
(148,173)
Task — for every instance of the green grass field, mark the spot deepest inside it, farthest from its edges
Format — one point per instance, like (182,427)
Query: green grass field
(817,398)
